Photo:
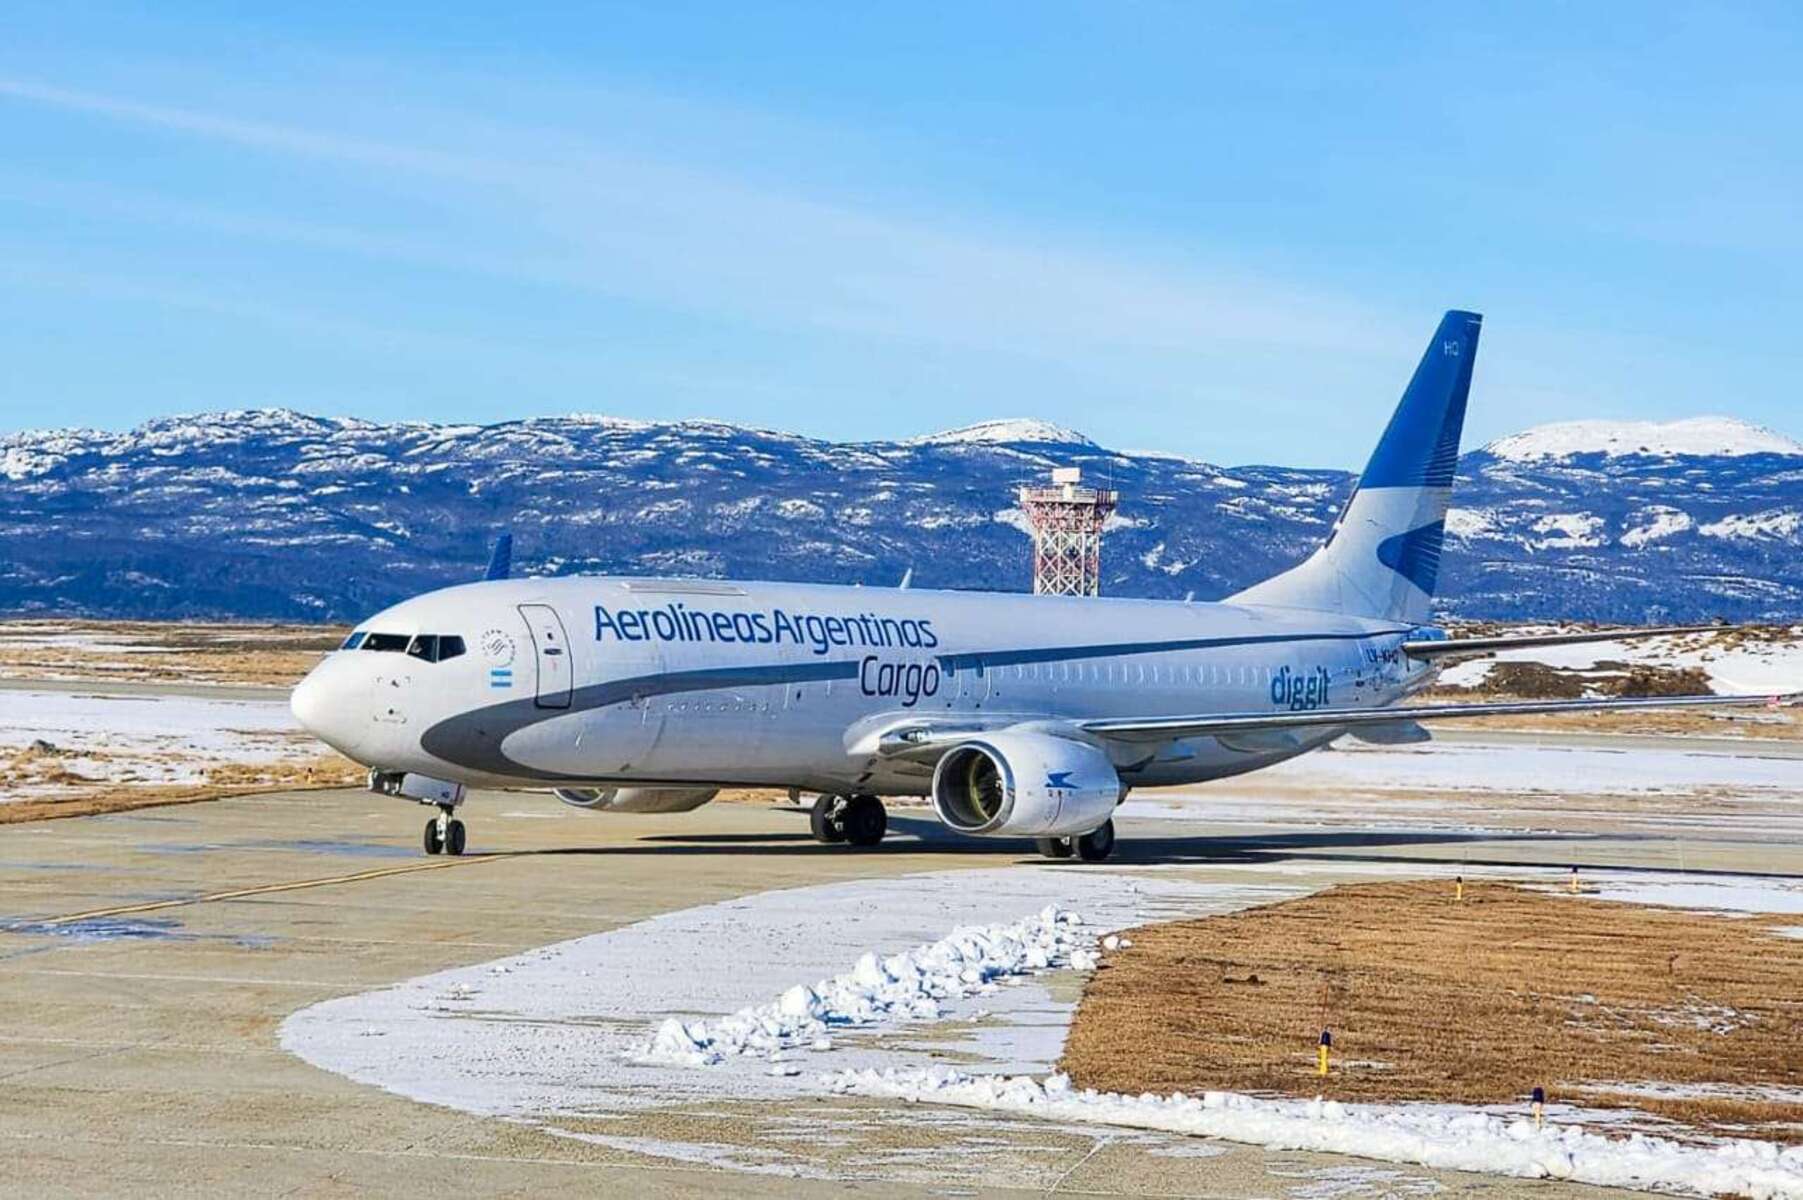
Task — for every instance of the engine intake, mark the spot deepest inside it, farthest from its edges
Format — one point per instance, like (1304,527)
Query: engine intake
(1025,785)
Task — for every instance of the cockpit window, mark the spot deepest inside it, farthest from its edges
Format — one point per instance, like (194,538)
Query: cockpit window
(355,640)
(386,641)
(435,647)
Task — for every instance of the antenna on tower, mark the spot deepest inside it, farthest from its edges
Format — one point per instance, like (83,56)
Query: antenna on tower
(1067,519)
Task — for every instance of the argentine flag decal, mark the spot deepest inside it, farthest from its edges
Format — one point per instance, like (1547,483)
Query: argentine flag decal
(500,677)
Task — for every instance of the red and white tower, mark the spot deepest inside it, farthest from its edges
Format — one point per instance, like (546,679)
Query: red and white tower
(1067,520)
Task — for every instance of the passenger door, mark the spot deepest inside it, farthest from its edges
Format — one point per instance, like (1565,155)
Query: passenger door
(551,651)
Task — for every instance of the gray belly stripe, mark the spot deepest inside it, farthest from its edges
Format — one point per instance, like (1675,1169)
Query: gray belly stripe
(473,740)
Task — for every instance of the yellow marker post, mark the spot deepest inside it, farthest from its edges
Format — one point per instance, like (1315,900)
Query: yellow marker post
(1539,1107)
(1574,881)
(1321,1053)
(1458,887)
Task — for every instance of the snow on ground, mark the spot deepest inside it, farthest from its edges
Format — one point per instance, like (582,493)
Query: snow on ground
(1750,668)
(1441,1136)
(1705,893)
(1715,436)
(565,1029)
(1464,781)
(914,985)
(630,1019)
(118,737)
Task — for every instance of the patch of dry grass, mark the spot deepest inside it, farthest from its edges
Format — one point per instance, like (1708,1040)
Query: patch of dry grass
(1472,1002)
(81,797)
(163,652)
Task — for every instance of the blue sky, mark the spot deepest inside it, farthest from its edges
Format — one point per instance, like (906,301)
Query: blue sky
(1219,230)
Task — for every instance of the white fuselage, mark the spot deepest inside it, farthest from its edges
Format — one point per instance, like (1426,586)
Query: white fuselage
(579,681)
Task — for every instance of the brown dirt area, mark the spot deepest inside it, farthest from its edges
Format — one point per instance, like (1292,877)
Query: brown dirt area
(227,779)
(1528,680)
(163,652)
(1475,1001)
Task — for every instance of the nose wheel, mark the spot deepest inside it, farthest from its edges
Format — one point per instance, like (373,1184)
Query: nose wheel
(444,834)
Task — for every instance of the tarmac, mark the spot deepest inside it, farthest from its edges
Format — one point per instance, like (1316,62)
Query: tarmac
(147,959)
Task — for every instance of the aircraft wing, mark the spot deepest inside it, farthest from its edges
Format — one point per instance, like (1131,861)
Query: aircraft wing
(1452,649)
(1158,729)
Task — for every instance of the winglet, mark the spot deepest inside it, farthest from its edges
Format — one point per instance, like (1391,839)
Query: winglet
(500,559)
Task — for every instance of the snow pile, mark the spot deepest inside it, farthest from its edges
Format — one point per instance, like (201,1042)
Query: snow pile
(1722,437)
(912,985)
(1434,1136)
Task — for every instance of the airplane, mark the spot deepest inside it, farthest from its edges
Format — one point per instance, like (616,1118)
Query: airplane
(1017,716)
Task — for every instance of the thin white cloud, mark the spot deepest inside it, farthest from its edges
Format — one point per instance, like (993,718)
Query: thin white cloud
(579,215)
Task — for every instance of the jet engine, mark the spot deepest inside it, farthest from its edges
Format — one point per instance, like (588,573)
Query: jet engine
(637,799)
(1025,785)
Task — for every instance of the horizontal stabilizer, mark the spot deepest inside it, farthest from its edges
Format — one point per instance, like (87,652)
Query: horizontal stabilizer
(1394,733)
(1480,647)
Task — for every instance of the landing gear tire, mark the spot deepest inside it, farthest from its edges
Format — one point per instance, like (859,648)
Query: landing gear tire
(444,834)
(827,820)
(1097,844)
(865,821)
(1055,847)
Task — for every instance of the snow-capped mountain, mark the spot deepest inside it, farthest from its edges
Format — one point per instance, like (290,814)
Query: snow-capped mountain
(1703,437)
(280,514)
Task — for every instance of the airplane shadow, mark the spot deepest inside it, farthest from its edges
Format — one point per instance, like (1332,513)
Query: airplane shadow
(914,836)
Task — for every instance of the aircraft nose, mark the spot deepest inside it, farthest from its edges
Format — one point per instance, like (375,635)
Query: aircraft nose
(322,710)
(307,702)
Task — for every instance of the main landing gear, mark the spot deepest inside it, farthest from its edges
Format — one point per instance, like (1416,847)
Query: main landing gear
(856,820)
(444,833)
(1093,846)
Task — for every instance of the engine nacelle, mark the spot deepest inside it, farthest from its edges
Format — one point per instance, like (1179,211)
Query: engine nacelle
(1025,785)
(637,799)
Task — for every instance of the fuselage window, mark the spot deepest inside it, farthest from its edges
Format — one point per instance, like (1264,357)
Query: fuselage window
(353,641)
(389,642)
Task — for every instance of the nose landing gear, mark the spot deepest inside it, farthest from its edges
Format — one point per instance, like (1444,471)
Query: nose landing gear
(444,833)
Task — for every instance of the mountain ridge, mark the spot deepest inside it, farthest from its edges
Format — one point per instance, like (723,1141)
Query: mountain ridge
(276,513)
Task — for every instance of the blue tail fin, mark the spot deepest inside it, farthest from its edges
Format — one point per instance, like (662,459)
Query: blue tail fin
(1383,557)
(500,559)
(1420,447)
